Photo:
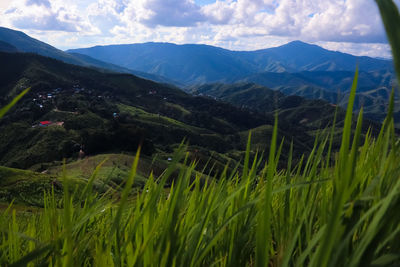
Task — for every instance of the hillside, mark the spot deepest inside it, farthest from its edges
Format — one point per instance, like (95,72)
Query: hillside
(193,64)
(23,186)
(373,89)
(16,41)
(106,113)
(297,111)
(6,47)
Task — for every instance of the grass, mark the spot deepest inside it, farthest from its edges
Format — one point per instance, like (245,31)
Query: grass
(115,168)
(156,119)
(179,108)
(23,187)
(331,209)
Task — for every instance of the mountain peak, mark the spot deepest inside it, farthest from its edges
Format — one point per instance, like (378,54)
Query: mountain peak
(300,44)
(297,42)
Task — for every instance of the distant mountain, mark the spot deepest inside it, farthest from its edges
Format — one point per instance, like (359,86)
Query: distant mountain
(183,63)
(299,56)
(299,103)
(20,42)
(194,64)
(91,62)
(295,110)
(373,90)
(333,81)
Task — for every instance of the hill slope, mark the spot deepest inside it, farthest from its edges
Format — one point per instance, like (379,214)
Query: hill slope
(6,47)
(24,43)
(296,112)
(105,113)
(373,89)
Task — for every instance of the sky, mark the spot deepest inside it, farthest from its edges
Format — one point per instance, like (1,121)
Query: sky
(351,26)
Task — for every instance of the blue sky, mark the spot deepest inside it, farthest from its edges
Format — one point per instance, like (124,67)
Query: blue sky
(352,26)
(204,2)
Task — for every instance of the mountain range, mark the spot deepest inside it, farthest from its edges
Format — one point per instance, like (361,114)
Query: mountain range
(373,90)
(193,64)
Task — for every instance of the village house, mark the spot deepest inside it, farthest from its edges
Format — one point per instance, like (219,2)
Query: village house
(49,123)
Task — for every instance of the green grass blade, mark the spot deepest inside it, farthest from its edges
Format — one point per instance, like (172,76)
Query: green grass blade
(263,237)
(391,20)
(324,251)
(5,109)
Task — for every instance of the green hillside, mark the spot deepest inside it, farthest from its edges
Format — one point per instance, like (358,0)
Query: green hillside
(373,92)
(113,113)
(295,112)
(25,187)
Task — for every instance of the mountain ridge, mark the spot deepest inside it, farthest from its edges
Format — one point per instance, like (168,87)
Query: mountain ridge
(24,43)
(193,64)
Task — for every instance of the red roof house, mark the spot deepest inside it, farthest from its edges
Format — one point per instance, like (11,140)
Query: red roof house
(45,123)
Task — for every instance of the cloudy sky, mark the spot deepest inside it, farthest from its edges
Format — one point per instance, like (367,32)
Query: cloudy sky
(352,26)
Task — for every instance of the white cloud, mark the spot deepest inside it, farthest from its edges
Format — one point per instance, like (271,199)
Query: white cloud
(352,21)
(359,49)
(44,15)
(174,13)
(313,20)
(106,14)
(347,25)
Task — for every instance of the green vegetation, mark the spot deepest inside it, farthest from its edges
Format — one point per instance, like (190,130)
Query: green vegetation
(391,18)
(329,209)
(24,187)
(114,169)
(113,113)
(315,213)
(156,118)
